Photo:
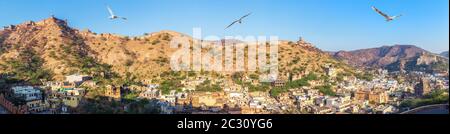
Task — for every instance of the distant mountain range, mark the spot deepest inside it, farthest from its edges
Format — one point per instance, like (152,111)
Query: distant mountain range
(394,58)
(445,54)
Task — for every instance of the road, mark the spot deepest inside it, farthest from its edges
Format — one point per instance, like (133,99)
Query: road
(433,111)
(429,109)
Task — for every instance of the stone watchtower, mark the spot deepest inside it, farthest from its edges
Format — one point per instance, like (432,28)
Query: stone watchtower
(302,42)
(422,88)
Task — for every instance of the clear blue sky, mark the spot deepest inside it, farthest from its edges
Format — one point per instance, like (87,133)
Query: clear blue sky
(330,24)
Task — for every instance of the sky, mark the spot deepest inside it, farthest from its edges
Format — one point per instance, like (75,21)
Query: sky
(330,25)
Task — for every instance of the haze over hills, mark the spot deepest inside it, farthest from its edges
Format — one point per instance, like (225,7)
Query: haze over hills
(54,49)
(445,54)
(394,58)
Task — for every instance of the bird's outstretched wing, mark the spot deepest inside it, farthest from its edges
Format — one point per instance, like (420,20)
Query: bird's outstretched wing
(245,16)
(381,13)
(110,11)
(231,24)
(395,17)
(239,20)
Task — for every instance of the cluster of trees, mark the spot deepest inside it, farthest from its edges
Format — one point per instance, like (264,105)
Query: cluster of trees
(440,65)
(144,107)
(173,80)
(131,96)
(101,105)
(88,65)
(207,86)
(237,78)
(127,80)
(96,103)
(28,67)
(168,85)
(365,76)
(261,87)
(294,84)
(326,89)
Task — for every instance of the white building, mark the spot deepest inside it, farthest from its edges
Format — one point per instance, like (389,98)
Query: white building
(319,101)
(256,104)
(170,98)
(29,93)
(235,94)
(77,78)
(32,96)
(153,86)
(331,101)
(150,94)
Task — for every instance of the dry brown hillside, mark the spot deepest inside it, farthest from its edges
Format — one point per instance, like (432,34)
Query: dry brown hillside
(64,50)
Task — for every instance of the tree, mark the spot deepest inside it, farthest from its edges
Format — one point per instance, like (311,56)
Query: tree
(168,85)
(326,90)
(277,91)
(294,84)
(365,76)
(28,67)
(207,86)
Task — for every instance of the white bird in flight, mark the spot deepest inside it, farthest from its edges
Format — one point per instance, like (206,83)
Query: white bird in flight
(112,16)
(238,21)
(388,18)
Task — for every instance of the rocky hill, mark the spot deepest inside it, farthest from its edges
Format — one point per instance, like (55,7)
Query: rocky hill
(394,58)
(50,49)
(445,54)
